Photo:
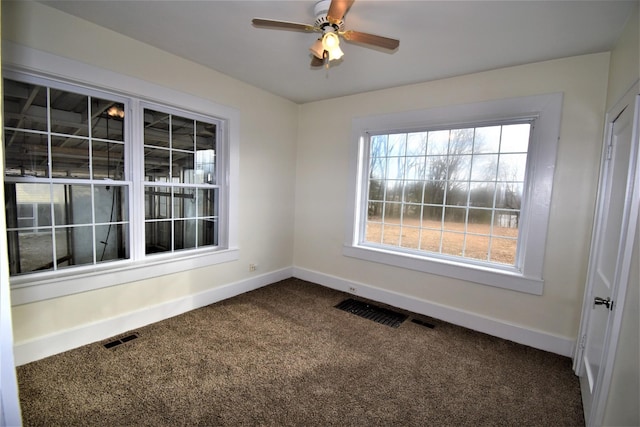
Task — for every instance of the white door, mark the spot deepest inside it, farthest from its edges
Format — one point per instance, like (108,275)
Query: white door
(606,265)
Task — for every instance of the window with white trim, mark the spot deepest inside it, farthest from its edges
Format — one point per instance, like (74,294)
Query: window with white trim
(457,191)
(97,182)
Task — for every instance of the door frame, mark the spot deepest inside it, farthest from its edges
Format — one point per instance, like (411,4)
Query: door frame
(594,415)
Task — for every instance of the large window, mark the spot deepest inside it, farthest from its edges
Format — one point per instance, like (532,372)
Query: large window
(66,189)
(98,182)
(455,192)
(467,200)
(181,191)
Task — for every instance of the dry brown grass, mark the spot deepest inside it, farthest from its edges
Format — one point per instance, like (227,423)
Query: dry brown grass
(477,244)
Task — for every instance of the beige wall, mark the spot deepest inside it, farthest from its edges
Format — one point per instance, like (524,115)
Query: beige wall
(322,171)
(267,165)
(622,405)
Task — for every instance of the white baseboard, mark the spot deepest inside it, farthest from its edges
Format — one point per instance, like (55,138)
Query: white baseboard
(59,342)
(516,333)
(39,348)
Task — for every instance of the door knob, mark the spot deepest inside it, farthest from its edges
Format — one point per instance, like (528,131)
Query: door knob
(603,301)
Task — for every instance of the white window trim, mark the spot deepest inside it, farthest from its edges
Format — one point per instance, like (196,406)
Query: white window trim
(26,289)
(546,109)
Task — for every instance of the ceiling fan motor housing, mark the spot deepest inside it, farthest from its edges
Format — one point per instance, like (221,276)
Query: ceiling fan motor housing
(320,11)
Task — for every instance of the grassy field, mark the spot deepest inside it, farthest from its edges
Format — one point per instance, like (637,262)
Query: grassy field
(480,242)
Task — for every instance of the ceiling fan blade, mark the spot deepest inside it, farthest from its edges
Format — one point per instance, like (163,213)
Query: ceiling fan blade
(283,25)
(372,39)
(316,62)
(337,9)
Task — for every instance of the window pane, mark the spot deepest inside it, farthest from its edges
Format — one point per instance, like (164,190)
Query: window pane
(205,155)
(110,204)
(477,247)
(374,211)
(107,120)
(207,232)
(157,202)
(458,193)
(157,236)
(184,202)
(378,167)
(509,195)
(503,251)
(374,232)
(182,167)
(436,167)
(69,113)
(479,221)
(397,145)
(182,133)
(112,242)
(482,194)
(207,202)
(108,160)
(430,240)
(487,140)
(72,204)
(379,145)
(395,167)
(74,246)
(25,106)
(392,213)
(156,164)
(376,190)
(413,191)
(512,167)
(505,223)
(515,138)
(410,237)
(394,191)
(458,167)
(185,234)
(415,167)
(452,243)
(438,142)
(461,141)
(156,128)
(30,251)
(417,144)
(391,235)
(434,192)
(484,167)
(26,154)
(432,217)
(69,157)
(454,219)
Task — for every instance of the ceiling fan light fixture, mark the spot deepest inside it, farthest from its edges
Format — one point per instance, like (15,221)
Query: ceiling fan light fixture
(317,49)
(331,43)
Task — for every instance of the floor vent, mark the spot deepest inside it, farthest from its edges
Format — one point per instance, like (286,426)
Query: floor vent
(423,323)
(116,342)
(371,312)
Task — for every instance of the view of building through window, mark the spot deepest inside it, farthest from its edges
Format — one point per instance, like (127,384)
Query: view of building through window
(69,195)
(65,188)
(456,192)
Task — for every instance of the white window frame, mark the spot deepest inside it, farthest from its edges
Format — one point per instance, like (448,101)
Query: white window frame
(33,64)
(527,277)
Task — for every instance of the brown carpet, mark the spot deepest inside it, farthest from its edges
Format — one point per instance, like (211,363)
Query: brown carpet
(284,356)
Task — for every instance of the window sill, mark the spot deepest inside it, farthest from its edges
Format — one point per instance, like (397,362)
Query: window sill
(32,288)
(501,278)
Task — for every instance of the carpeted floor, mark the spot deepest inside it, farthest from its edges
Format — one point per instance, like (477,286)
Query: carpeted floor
(284,356)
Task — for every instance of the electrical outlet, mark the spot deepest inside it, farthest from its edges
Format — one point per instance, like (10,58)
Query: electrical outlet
(253,267)
(353,290)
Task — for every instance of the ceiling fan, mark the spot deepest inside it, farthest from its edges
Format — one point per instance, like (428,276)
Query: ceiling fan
(330,23)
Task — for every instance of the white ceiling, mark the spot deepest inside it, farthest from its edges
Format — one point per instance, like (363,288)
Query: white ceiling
(438,39)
